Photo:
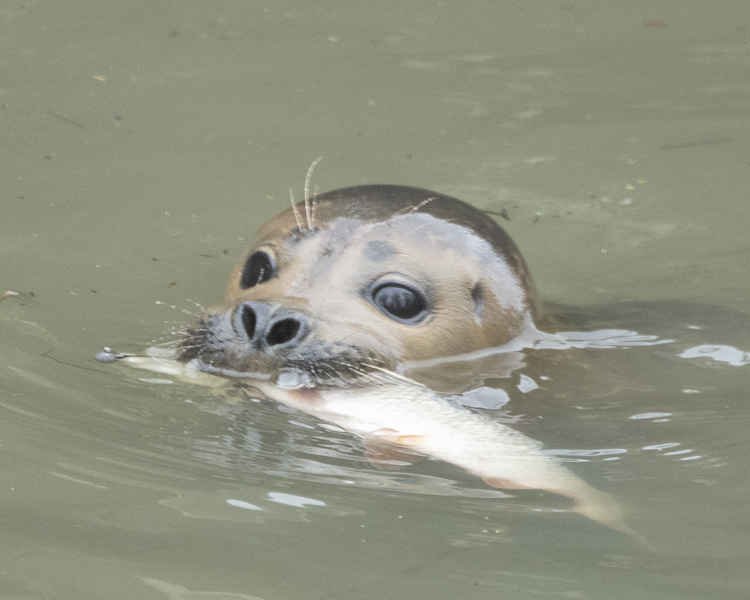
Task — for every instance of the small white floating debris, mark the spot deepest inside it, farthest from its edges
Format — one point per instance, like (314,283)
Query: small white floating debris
(242,504)
(527,384)
(484,397)
(720,353)
(649,415)
(292,500)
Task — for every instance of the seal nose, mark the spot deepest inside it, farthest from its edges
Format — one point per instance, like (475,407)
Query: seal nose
(266,328)
(283,331)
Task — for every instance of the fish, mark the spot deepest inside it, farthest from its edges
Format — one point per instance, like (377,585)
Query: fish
(396,410)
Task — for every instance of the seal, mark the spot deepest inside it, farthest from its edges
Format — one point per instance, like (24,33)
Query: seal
(372,277)
(324,311)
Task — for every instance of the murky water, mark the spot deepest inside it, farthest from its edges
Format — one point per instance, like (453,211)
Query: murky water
(142,143)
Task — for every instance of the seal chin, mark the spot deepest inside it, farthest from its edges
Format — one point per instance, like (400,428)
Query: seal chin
(213,346)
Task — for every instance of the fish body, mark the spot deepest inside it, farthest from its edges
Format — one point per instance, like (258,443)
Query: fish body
(416,418)
(404,413)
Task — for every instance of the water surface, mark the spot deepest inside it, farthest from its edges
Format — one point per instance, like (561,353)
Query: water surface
(142,143)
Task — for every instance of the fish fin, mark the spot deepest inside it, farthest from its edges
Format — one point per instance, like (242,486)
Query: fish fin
(604,509)
(386,448)
(408,440)
(588,502)
(504,484)
(392,436)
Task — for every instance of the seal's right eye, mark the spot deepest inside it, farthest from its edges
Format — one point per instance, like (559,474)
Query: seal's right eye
(400,302)
(258,268)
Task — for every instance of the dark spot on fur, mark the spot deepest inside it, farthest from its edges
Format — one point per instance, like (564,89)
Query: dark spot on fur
(477,295)
(378,250)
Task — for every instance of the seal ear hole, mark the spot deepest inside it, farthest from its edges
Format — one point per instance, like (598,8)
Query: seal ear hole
(258,268)
(477,296)
(400,303)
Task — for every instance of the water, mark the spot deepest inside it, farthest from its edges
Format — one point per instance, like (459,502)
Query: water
(142,143)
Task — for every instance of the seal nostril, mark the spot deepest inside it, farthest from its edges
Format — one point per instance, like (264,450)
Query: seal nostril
(282,331)
(249,320)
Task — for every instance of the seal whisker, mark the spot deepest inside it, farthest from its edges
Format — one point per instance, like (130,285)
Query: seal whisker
(388,375)
(183,345)
(183,310)
(176,339)
(422,204)
(167,344)
(407,210)
(313,207)
(197,304)
(297,216)
(308,180)
(366,375)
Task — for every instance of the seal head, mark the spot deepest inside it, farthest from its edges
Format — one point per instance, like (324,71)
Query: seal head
(378,275)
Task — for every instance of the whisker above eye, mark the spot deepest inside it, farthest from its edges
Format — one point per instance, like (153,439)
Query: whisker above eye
(308,181)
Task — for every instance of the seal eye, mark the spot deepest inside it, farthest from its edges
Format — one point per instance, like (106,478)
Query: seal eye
(258,268)
(400,302)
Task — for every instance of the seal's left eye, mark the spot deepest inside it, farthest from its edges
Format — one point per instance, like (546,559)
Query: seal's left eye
(400,303)
(258,268)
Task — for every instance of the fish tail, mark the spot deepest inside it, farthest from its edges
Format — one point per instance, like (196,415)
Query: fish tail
(602,508)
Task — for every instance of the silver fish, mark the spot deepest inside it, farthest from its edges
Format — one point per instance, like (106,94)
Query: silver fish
(399,411)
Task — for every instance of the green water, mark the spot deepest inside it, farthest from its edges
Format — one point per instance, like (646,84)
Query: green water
(142,143)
